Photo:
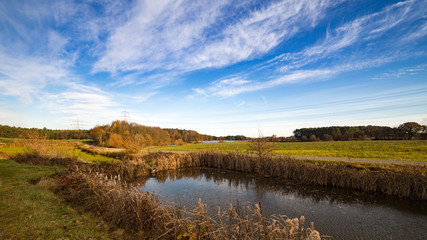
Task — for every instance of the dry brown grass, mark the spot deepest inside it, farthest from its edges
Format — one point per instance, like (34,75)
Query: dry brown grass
(109,152)
(393,180)
(144,217)
(40,151)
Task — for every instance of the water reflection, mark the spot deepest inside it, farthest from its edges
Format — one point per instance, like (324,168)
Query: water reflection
(340,213)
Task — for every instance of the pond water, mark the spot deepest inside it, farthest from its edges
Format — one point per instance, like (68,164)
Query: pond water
(337,213)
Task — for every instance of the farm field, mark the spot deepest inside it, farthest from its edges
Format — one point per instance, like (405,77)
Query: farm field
(414,150)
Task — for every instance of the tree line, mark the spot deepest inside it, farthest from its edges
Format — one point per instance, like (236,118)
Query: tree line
(120,133)
(405,131)
(17,132)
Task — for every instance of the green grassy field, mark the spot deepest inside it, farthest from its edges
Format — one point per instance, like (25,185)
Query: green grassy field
(5,140)
(32,211)
(62,149)
(390,150)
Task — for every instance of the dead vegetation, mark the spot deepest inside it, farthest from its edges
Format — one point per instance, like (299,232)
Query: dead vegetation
(104,189)
(40,151)
(144,217)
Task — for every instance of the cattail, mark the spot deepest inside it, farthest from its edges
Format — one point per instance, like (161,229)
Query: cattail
(314,235)
(295,224)
(302,219)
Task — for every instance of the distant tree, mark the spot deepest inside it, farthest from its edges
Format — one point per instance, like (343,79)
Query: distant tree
(410,129)
(327,137)
(423,134)
(148,140)
(115,140)
(179,142)
(132,143)
(313,138)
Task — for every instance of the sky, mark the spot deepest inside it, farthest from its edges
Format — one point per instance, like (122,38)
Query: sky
(218,67)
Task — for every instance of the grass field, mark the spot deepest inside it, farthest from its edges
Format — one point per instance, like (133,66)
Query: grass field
(32,211)
(63,149)
(390,150)
(5,140)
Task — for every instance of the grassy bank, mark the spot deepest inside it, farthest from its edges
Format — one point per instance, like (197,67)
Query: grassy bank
(29,210)
(414,150)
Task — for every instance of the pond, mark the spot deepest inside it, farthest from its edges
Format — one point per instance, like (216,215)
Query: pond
(338,213)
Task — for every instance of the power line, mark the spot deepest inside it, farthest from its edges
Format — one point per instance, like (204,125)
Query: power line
(77,124)
(124,115)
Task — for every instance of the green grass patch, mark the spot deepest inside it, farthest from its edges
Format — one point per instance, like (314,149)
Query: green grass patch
(32,211)
(6,140)
(12,150)
(414,150)
(65,150)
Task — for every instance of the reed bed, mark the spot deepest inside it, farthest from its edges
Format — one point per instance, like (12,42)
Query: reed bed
(393,180)
(145,217)
(404,181)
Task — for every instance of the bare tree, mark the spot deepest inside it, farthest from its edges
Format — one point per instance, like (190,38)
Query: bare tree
(261,145)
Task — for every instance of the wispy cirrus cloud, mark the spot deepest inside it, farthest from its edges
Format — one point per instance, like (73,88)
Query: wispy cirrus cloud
(234,86)
(156,34)
(182,36)
(259,32)
(25,77)
(37,56)
(366,33)
(406,71)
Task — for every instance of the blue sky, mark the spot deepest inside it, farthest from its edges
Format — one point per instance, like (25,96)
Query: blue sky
(218,67)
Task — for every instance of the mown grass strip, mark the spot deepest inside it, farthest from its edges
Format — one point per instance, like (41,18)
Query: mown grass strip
(31,211)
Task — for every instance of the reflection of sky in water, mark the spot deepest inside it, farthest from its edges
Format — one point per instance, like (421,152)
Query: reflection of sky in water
(344,217)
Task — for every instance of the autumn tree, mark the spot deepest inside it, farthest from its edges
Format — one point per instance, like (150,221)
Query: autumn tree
(410,129)
(115,140)
(133,143)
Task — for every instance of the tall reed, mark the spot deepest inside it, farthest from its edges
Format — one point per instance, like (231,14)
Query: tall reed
(394,180)
(143,215)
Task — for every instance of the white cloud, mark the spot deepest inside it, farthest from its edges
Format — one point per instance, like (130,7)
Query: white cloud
(87,104)
(406,71)
(222,90)
(143,97)
(240,104)
(157,34)
(295,67)
(25,77)
(361,30)
(179,35)
(234,86)
(56,43)
(258,33)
